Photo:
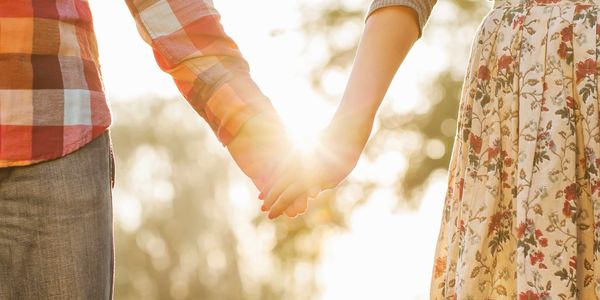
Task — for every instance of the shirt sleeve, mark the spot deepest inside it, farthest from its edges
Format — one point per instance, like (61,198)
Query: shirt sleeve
(190,44)
(422,7)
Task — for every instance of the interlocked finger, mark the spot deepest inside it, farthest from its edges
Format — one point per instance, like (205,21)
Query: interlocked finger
(287,198)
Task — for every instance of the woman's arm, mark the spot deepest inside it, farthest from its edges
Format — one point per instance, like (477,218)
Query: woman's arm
(389,34)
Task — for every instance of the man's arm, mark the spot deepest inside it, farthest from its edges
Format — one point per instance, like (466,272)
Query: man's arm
(190,44)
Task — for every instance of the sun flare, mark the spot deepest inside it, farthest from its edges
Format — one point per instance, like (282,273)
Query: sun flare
(304,141)
(304,120)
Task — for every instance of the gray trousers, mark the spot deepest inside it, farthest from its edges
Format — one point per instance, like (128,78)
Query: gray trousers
(56,226)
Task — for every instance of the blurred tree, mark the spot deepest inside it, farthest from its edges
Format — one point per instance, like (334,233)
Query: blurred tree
(175,239)
(332,29)
(175,233)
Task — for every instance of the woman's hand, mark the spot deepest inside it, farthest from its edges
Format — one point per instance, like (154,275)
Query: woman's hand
(302,176)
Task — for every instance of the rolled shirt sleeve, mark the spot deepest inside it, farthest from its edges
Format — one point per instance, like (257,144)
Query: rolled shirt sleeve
(422,7)
(190,44)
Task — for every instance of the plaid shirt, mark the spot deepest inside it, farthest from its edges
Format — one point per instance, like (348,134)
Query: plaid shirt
(52,100)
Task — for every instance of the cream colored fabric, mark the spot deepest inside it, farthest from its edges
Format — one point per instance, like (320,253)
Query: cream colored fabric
(523,202)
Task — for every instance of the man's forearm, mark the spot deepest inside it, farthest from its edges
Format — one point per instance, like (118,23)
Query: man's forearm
(191,45)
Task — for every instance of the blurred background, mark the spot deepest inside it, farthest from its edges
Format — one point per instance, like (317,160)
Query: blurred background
(188,221)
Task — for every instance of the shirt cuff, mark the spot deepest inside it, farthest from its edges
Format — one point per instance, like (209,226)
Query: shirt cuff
(232,104)
(422,15)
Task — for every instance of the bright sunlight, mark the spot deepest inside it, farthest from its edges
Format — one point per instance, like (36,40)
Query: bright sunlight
(272,35)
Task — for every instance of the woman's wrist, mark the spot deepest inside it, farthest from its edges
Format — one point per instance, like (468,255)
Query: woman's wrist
(354,116)
(351,128)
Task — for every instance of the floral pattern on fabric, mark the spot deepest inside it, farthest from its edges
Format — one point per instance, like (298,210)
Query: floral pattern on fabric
(521,216)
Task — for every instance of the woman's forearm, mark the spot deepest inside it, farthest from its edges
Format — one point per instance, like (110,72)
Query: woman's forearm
(389,34)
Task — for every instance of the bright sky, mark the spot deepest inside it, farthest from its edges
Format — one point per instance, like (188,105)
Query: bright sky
(385,255)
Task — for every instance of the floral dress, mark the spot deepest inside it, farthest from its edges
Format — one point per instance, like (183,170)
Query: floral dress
(521,216)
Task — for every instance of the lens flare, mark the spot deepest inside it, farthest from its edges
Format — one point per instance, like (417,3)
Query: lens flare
(304,141)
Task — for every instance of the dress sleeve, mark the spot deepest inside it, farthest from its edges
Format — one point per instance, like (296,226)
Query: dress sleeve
(190,44)
(422,7)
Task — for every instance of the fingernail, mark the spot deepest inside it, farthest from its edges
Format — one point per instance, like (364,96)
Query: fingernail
(263,208)
(261,196)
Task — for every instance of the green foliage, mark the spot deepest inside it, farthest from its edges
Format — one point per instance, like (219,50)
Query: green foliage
(178,239)
(174,178)
(181,248)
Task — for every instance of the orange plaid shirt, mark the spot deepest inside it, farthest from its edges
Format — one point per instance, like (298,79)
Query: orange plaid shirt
(52,99)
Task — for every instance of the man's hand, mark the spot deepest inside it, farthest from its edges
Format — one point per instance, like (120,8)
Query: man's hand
(302,176)
(259,146)
(262,149)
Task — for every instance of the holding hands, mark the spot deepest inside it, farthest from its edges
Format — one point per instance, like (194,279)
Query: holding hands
(288,178)
(304,175)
